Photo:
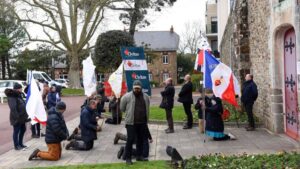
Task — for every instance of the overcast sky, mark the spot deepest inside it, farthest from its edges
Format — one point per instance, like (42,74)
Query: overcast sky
(183,11)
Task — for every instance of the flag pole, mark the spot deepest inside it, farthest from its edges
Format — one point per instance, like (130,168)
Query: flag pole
(203,109)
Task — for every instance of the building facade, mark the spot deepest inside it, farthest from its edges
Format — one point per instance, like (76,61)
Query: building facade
(263,38)
(212,24)
(160,52)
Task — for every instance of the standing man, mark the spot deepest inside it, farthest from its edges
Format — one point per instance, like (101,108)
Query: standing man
(249,95)
(168,103)
(88,126)
(136,106)
(186,98)
(18,115)
(56,132)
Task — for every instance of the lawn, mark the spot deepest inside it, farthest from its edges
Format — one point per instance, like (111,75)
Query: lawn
(159,114)
(72,92)
(136,165)
(220,161)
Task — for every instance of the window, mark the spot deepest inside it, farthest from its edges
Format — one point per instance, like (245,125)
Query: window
(165,76)
(214,45)
(165,59)
(148,59)
(150,77)
(214,25)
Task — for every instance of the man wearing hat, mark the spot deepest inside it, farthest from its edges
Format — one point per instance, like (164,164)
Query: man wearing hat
(135,104)
(56,132)
(18,115)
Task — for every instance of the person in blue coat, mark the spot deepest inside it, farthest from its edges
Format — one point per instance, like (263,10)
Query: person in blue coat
(89,128)
(249,96)
(52,98)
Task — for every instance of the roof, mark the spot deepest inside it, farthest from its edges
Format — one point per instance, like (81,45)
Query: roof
(157,40)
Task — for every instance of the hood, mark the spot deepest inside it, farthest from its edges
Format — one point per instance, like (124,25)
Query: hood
(11,93)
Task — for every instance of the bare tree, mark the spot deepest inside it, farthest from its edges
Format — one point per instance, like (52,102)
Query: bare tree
(190,38)
(68,25)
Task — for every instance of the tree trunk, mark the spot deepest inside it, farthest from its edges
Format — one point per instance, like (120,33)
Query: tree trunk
(74,69)
(8,66)
(134,18)
(3,65)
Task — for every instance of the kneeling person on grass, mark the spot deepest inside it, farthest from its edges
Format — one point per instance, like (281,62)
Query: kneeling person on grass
(56,132)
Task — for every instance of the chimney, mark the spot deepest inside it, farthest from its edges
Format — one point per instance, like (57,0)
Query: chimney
(172,29)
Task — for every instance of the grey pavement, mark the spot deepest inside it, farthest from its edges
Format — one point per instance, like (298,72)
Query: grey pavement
(188,143)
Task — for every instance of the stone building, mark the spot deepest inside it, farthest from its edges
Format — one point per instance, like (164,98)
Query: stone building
(262,37)
(160,52)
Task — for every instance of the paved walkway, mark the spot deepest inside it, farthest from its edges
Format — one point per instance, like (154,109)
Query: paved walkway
(187,142)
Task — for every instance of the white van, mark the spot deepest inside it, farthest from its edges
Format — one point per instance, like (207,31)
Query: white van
(39,75)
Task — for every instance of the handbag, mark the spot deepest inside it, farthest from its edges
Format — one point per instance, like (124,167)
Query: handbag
(164,103)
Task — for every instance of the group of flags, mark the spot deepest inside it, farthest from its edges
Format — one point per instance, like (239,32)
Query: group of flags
(216,75)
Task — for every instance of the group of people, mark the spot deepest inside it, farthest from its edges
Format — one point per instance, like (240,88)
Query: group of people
(135,105)
(214,125)
(18,114)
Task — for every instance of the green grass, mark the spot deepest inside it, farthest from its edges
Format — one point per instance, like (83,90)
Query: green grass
(276,161)
(136,165)
(72,92)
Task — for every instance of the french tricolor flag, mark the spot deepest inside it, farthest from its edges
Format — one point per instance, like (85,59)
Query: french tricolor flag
(34,103)
(199,60)
(219,78)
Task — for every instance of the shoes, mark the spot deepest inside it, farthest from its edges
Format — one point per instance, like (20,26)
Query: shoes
(141,159)
(129,162)
(43,135)
(187,127)
(18,148)
(34,154)
(169,131)
(250,129)
(121,152)
(23,146)
(232,137)
(70,145)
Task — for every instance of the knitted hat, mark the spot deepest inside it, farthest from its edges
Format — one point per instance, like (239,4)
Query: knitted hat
(17,86)
(61,106)
(137,84)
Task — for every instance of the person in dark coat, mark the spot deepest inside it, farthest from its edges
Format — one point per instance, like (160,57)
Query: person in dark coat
(198,107)
(56,132)
(18,115)
(52,98)
(88,126)
(249,95)
(214,123)
(186,98)
(101,92)
(168,103)
(114,107)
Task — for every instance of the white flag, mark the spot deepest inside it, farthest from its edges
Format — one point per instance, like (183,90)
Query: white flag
(88,76)
(34,103)
(115,80)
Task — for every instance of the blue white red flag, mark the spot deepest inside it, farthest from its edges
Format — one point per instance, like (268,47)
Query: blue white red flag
(34,104)
(219,78)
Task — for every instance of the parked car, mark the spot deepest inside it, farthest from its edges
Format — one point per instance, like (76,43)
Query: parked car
(64,82)
(39,75)
(9,84)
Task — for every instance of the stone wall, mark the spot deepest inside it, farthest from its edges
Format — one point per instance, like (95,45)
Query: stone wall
(259,28)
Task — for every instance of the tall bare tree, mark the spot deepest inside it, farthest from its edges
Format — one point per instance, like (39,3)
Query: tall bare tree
(135,11)
(190,38)
(67,25)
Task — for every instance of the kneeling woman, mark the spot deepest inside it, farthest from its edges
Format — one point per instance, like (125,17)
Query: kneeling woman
(214,123)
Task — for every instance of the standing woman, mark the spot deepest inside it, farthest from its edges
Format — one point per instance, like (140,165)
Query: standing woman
(18,116)
(168,103)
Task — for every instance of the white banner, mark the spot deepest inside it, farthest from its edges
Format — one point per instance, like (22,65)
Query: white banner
(115,80)
(135,65)
(88,76)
